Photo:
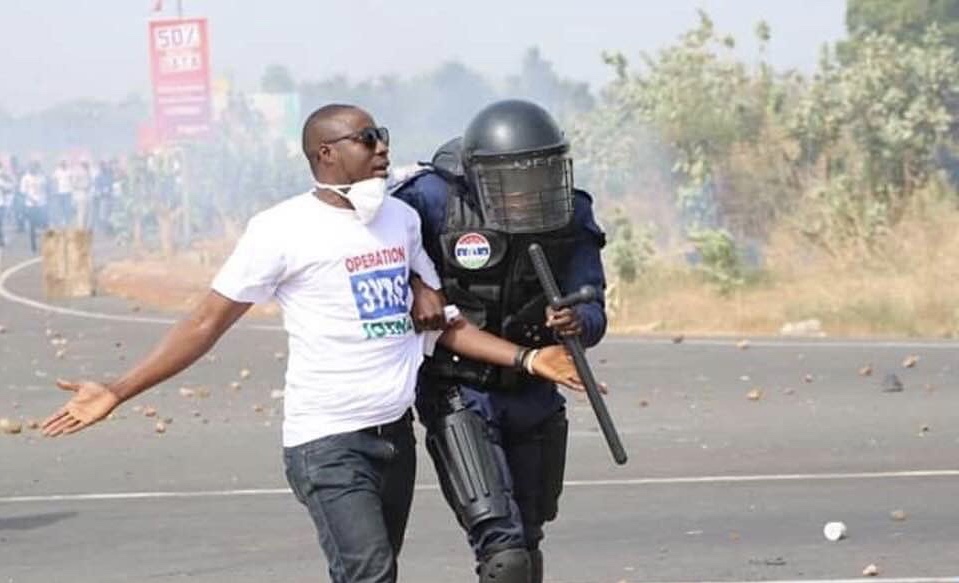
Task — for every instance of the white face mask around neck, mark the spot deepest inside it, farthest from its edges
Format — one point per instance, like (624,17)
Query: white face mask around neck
(366,196)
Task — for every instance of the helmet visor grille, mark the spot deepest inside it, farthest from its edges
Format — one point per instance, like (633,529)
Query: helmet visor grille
(529,195)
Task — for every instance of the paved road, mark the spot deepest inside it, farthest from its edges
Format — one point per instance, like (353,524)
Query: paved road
(718,487)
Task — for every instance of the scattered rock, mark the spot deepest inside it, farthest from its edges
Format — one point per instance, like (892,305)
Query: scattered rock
(235,385)
(898,515)
(910,361)
(924,429)
(10,426)
(808,378)
(789,391)
(160,427)
(168,421)
(776,562)
(149,412)
(60,354)
(195,413)
(3,329)
(891,384)
(755,394)
(33,424)
(678,339)
(644,403)
(871,570)
(245,373)
(742,344)
(276,394)
(203,392)
(134,308)
(811,327)
(834,531)
(258,408)
(187,392)
(279,355)
(138,408)
(866,370)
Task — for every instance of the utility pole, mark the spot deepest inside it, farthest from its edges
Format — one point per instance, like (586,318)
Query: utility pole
(185,202)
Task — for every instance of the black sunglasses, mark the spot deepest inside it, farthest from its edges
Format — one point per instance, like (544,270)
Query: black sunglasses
(367,136)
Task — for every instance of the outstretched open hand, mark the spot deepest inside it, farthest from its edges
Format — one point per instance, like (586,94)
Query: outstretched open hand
(554,363)
(90,403)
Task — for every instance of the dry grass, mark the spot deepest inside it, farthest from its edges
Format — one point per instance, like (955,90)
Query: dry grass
(905,288)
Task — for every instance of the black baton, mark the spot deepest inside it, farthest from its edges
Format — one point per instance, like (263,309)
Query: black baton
(575,348)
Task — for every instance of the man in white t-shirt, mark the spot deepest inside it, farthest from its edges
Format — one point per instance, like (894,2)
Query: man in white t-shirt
(33,185)
(338,260)
(62,207)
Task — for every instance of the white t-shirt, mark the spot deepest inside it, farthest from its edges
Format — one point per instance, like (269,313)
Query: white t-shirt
(63,179)
(34,189)
(344,290)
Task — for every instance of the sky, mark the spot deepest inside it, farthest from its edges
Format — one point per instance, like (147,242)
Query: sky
(58,50)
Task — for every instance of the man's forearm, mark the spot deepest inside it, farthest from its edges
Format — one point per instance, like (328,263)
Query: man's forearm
(464,338)
(184,344)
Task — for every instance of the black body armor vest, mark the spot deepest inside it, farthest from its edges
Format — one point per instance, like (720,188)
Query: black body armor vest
(489,276)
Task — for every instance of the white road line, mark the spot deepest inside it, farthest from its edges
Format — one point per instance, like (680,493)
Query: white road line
(612,340)
(860,580)
(568,483)
(10,296)
(609,340)
(785,343)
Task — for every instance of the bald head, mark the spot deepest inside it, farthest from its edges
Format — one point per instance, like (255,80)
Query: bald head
(327,123)
(332,157)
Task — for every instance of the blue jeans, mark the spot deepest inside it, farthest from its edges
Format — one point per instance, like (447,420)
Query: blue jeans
(358,488)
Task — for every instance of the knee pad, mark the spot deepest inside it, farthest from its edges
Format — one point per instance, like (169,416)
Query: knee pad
(471,468)
(506,566)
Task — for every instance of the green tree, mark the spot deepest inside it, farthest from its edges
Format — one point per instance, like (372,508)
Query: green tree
(869,128)
(710,114)
(277,79)
(906,20)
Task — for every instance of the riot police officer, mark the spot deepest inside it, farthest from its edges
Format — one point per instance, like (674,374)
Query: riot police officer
(498,436)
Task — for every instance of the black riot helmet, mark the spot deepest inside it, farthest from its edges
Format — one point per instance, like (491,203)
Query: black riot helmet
(516,160)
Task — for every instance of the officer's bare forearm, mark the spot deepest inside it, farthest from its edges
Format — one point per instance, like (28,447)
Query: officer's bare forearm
(464,338)
(184,344)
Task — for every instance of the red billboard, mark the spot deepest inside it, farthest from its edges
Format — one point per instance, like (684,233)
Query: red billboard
(180,68)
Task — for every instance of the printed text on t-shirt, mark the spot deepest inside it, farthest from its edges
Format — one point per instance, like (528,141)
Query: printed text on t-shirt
(383,257)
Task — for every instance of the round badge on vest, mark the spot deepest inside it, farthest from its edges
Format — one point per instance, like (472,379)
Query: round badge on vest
(472,251)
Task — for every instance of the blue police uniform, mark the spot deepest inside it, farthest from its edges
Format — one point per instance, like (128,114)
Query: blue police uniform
(515,415)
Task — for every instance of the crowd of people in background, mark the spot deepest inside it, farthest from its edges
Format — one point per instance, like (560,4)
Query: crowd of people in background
(77,194)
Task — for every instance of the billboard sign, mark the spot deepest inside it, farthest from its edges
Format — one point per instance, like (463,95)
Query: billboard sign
(180,69)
